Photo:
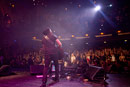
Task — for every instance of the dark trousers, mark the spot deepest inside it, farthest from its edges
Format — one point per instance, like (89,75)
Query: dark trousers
(48,59)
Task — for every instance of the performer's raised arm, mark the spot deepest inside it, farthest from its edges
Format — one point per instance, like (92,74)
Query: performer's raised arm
(58,42)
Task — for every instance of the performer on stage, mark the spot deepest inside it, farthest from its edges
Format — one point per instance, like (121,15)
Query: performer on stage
(50,43)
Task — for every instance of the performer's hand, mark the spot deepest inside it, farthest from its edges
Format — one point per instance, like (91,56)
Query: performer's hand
(59,43)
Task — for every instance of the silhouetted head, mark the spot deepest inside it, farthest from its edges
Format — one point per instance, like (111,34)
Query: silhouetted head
(47,31)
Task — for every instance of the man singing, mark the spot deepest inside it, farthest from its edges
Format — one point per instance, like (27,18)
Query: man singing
(50,43)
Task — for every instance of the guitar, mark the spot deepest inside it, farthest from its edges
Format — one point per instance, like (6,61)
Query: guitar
(60,51)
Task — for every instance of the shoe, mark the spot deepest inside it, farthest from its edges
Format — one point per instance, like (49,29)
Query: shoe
(43,86)
(55,80)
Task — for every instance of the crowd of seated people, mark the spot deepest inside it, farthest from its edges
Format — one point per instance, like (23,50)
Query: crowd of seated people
(113,60)
(27,59)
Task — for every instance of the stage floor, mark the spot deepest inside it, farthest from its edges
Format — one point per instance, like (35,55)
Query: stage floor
(24,79)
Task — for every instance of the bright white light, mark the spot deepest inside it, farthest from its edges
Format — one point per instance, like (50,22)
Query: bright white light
(125,40)
(110,5)
(86,43)
(97,8)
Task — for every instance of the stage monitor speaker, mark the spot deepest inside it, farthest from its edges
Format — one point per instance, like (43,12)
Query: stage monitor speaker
(36,69)
(95,73)
(5,70)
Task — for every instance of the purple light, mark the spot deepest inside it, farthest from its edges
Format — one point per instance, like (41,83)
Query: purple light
(39,76)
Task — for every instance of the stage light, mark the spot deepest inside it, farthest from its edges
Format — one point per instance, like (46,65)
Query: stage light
(34,38)
(86,43)
(97,8)
(68,77)
(119,31)
(102,33)
(12,5)
(73,36)
(125,40)
(39,76)
(110,5)
(105,42)
(86,35)
(85,80)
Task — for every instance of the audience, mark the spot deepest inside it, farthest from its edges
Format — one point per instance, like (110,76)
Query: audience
(113,60)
